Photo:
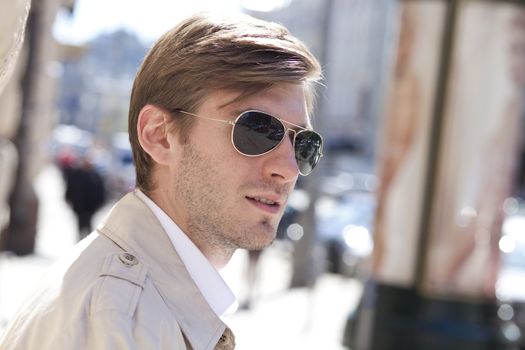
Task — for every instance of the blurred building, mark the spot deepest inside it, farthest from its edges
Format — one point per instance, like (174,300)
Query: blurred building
(95,88)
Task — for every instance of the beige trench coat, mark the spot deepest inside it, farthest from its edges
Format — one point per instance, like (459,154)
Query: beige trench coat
(123,287)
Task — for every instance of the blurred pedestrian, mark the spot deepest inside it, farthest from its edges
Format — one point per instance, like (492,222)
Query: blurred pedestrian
(251,277)
(67,160)
(252,271)
(85,193)
(220,130)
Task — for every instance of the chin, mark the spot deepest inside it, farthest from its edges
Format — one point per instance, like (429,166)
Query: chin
(258,245)
(261,239)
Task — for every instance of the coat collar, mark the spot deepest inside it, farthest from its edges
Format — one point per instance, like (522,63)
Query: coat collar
(133,226)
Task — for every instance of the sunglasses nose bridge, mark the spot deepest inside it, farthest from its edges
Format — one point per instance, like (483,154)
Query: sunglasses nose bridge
(292,133)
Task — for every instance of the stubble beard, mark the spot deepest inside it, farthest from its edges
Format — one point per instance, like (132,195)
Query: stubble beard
(212,223)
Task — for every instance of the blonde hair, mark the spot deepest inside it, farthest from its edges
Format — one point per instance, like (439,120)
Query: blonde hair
(209,52)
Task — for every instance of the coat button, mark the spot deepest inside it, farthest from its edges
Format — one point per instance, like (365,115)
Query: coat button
(227,340)
(128,259)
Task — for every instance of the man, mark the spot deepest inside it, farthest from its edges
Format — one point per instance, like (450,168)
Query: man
(214,170)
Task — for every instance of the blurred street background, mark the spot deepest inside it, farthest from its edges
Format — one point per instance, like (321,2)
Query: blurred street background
(410,234)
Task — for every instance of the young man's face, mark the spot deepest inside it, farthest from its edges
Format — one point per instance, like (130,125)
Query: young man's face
(220,197)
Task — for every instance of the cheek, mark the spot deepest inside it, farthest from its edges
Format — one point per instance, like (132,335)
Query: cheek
(230,167)
(238,165)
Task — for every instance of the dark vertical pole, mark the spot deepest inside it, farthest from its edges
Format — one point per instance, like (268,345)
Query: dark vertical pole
(440,99)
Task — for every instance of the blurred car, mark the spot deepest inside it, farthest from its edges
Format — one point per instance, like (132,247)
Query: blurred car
(121,175)
(68,143)
(344,221)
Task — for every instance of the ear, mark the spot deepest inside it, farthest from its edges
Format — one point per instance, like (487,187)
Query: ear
(153,133)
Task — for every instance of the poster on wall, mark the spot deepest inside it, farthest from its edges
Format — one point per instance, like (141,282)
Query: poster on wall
(479,148)
(404,140)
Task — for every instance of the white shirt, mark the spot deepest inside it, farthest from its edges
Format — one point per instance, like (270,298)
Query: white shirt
(206,277)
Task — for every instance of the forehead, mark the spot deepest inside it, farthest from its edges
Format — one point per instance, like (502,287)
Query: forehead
(285,101)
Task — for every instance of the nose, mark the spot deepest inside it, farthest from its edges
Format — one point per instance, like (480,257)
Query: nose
(280,164)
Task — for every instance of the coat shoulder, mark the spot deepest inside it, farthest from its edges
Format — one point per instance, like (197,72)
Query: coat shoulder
(121,282)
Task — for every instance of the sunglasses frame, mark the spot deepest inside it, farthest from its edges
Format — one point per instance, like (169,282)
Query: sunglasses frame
(283,123)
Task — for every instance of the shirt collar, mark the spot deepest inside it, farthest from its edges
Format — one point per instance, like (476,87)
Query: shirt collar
(210,283)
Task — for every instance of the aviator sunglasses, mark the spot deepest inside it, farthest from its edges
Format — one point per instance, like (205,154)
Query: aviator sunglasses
(255,133)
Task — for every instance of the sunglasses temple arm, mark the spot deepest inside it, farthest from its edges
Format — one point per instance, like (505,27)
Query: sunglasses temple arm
(198,116)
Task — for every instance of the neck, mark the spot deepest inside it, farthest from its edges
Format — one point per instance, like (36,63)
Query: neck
(214,250)
(217,257)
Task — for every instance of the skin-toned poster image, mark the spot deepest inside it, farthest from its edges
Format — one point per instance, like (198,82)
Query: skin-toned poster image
(404,141)
(479,150)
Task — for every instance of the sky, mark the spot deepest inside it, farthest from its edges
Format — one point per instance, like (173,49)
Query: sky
(147,18)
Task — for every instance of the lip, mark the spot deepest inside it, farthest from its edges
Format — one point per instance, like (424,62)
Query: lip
(270,209)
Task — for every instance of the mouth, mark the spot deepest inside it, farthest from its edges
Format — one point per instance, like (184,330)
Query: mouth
(265,204)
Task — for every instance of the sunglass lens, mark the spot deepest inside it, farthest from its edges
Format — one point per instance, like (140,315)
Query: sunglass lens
(308,146)
(256,133)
